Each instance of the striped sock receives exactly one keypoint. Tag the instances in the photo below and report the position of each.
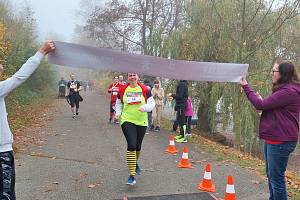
(131, 162)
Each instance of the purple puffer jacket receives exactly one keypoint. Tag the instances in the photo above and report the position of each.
(280, 117)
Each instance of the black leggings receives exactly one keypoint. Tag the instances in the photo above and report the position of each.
(180, 118)
(134, 135)
(111, 111)
(188, 120)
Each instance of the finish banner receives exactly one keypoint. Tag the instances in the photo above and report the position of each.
(103, 59)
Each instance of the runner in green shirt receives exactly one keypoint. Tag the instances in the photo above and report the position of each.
(133, 103)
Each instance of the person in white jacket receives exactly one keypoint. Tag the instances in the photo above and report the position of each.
(7, 167)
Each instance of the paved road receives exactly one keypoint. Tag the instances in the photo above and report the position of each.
(84, 159)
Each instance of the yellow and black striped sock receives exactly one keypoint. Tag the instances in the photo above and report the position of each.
(138, 154)
(131, 162)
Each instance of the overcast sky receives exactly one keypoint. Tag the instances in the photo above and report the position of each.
(53, 16)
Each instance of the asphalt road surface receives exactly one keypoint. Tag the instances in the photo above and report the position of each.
(84, 159)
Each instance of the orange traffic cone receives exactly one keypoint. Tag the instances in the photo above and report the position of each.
(230, 192)
(171, 148)
(206, 184)
(184, 162)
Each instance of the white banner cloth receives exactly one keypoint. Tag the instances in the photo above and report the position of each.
(102, 59)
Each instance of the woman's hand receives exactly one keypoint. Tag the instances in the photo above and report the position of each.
(169, 97)
(142, 109)
(243, 81)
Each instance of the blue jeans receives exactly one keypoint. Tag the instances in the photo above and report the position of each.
(277, 156)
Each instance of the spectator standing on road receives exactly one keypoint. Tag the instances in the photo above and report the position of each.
(7, 163)
(158, 95)
(279, 123)
(150, 118)
(121, 80)
(180, 98)
(61, 87)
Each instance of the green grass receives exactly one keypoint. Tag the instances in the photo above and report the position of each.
(220, 158)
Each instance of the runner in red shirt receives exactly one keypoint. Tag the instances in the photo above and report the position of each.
(114, 90)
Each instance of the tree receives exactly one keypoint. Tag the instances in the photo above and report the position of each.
(138, 22)
(17, 44)
(4, 45)
(235, 31)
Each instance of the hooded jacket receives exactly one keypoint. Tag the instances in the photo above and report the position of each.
(181, 95)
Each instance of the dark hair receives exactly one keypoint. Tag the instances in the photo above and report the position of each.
(288, 74)
(183, 82)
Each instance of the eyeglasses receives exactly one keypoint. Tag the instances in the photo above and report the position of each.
(131, 75)
(273, 71)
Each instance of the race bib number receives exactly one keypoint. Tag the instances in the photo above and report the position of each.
(134, 98)
(73, 85)
(115, 93)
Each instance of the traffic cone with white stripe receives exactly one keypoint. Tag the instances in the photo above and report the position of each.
(171, 148)
(184, 162)
(206, 183)
(230, 192)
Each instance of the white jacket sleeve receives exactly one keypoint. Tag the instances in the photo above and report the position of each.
(119, 107)
(21, 75)
(148, 107)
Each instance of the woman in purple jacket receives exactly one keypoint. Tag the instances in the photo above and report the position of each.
(279, 123)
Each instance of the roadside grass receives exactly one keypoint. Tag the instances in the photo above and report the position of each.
(28, 115)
